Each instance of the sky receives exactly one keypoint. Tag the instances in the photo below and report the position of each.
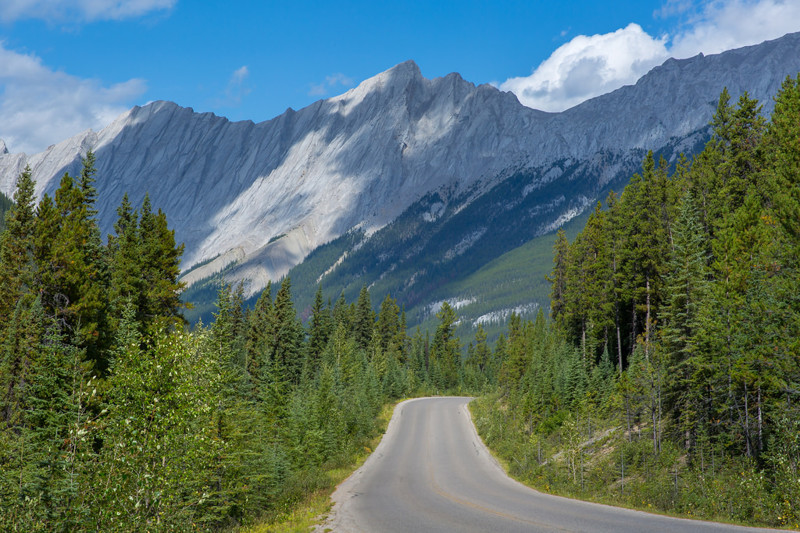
(70, 65)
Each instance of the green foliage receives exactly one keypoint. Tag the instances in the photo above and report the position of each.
(445, 356)
(17, 270)
(5, 205)
(692, 280)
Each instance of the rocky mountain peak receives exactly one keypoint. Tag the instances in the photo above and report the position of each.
(266, 195)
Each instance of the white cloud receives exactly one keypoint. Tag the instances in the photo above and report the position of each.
(331, 82)
(236, 89)
(720, 26)
(589, 66)
(79, 10)
(239, 75)
(40, 106)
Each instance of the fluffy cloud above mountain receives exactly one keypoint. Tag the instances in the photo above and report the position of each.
(589, 66)
(39, 104)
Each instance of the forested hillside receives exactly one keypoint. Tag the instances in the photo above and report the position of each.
(113, 417)
(669, 375)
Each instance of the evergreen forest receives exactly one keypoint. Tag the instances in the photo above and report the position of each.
(666, 377)
(115, 417)
(669, 375)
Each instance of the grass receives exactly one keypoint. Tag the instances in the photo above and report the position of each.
(729, 494)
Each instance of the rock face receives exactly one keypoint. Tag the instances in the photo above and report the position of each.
(265, 195)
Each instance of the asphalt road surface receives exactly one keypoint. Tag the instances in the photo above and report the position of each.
(431, 473)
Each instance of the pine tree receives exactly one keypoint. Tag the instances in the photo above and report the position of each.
(686, 285)
(260, 322)
(646, 246)
(364, 319)
(127, 283)
(615, 245)
(160, 267)
(22, 339)
(17, 267)
(576, 305)
(320, 329)
(558, 277)
(781, 145)
(388, 325)
(445, 350)
(58, 420)
(685, 282)
(598, 288)
(286, 344)
(78, 267)
(46, 228)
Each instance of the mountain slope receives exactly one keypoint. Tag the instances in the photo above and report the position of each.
(431, 178)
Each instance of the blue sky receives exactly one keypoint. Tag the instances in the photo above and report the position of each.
(69, 65)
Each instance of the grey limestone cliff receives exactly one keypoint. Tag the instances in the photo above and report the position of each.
(265, 195)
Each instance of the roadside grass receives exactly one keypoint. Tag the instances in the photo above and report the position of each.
(588, 467)
(313, 510)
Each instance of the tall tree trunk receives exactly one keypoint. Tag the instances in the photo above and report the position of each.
(748, 447)
(633, 327)
(760, 426)
(583, 341)
(619, 344)
(647, 325)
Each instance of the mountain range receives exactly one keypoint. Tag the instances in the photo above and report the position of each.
(416, 187)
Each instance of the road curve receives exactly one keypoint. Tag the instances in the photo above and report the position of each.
(432, 473)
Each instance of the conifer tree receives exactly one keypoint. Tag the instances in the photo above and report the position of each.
(320, 329)
(286, 344)
(445, 350)
(46, 228)
(260, 322)
(160, 268)
(614, 246)
(17, 267)
(78, 267)
(781, 146)
(124, 251)
(598, 288)
(686, 284)
(388, 325)
(364, 319)
(21, 343)
(558, 277)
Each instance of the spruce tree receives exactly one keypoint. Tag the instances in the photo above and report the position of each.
(127, 283)
(558, 277)
(160, 268)
(257, 344)
(364, 319)
(79, 269)
(781, 146)
(286, 344)
(388, 325)
(445, 351)
(17, 267)
(320, 329)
